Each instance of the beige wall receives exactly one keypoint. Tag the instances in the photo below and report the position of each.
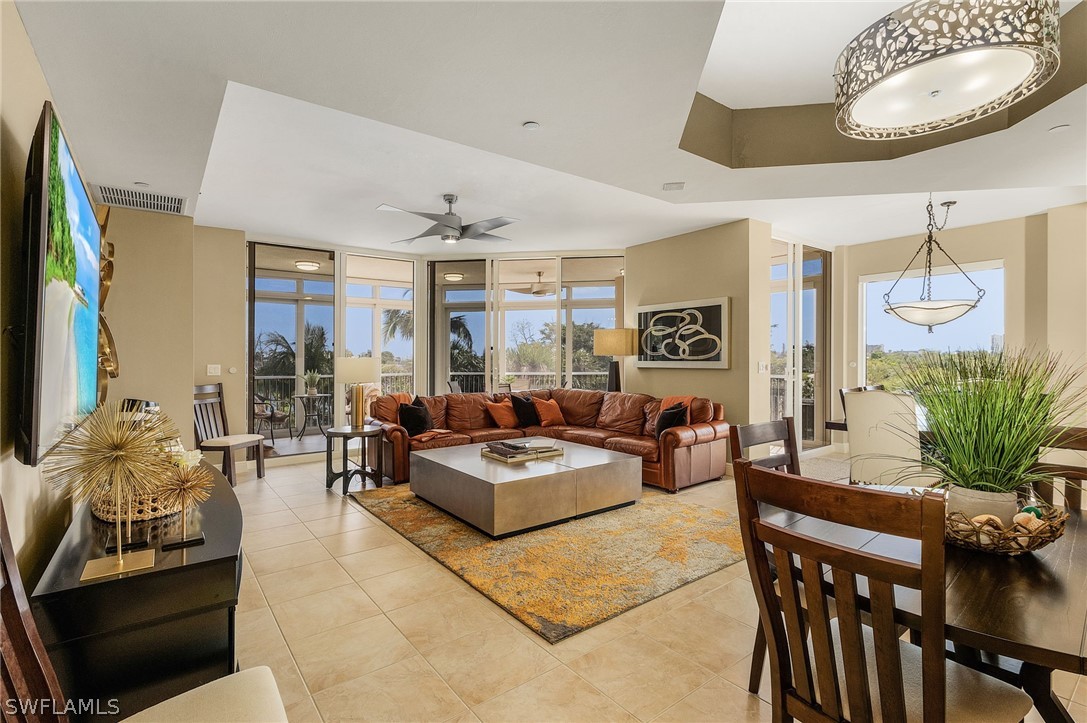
(1066, 295)
(730, 260)
(150, 311)
(35, 512)
(218, 293)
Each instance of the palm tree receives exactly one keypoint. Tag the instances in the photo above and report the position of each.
(400, 323)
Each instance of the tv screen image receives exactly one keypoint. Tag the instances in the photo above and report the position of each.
(64, 247)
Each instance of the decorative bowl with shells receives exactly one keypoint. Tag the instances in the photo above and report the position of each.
(1027, 533)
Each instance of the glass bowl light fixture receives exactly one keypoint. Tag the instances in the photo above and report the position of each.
(926, 311)
(936, 64)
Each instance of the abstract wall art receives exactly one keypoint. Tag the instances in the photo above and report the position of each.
(686, 335)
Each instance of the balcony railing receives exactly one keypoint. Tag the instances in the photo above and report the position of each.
(779, 384)
(281, 390)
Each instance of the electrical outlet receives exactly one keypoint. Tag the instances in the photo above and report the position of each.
(763, 367)
(214, 370)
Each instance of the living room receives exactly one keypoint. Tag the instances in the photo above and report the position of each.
(250, 166)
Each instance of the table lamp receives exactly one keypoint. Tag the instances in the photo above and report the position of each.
(359, 372)
(615, 343)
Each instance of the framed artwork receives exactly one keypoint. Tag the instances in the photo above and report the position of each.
(684, 335)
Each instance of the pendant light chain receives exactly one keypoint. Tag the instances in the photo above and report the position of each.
(927, 245)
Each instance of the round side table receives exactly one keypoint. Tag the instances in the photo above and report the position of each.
(364, 470)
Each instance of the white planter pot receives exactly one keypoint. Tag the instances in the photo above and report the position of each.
(979, 502)
(311, 391)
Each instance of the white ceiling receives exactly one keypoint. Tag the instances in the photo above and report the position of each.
(782, 52)
(296, 119)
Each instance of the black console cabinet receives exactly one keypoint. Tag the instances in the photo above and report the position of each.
(144, 636)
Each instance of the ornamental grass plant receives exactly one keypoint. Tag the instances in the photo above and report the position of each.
(989, 414)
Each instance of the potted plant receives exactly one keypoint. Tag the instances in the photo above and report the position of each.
(987, 416)
(311, 377)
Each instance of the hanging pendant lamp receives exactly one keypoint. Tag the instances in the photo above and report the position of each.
(936, 64)
(927, 311)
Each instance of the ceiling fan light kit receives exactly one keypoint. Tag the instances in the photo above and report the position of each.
(937, 64)
(449, 227)
(926, 311)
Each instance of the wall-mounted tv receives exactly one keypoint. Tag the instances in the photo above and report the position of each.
(62, 246)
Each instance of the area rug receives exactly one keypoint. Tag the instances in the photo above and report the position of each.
(563, 579)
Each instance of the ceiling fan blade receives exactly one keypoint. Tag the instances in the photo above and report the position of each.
(406, 241)
(445, 219)
(437, 229)
(486, 237)
(473, 230)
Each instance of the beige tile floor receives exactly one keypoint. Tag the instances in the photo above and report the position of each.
(358, 624)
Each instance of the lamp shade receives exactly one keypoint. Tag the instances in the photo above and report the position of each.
(357, 369)
(931, 312)
(615, 342)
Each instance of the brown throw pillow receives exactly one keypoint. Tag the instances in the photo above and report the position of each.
(502, 413)
(549, 412)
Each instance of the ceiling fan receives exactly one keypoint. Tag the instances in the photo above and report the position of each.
(448, 225)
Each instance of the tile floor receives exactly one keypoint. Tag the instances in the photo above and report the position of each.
(357, 623)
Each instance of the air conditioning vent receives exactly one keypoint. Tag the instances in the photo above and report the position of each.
(142, 200)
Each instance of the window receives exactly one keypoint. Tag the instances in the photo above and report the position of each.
(382, 323)
(888, 340)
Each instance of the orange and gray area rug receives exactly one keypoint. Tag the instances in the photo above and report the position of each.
(563, 579)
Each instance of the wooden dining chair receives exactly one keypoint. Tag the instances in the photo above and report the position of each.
(212, 433)
(27, 676)
(780, 433)
(844, 669)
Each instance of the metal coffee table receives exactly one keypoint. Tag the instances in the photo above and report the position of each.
(504, 499)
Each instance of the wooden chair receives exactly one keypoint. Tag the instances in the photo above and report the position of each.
(846, 390)
(742, 438)
(845, 670)
(27, 674)
(265, 412)
(454, 387)
(212, 433)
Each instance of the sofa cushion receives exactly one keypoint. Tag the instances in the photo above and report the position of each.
(554, 432)
(645, 447)
(674, 416)
(525, 409)
(623, 412)
(701, 411)
(436, 405)
(548, 412)
(492, 434)
(467, 411)
(415, 418)
(589, 435)
(442, 440)
(580, 407)
(385, 409)
(503, 414)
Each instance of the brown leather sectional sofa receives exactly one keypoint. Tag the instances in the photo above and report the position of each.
(620, 421)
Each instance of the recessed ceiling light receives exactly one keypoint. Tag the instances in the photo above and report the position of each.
(530, 125)
(307, 265)
(453, 276)
(1061, 128)
(141, 184)
(674, 186)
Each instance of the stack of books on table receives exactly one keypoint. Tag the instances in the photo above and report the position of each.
(513, 452)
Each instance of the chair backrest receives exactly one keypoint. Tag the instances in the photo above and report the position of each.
(846, 390)
(209, 417)
(883, 438)
(1074, 476)
(454, 387)
(27, 674)
(830, 678)
(505, 388)
(780, 433)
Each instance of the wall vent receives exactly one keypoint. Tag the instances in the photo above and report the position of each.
(142, 200)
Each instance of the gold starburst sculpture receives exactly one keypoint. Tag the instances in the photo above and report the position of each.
(120, 452)
(187, 486)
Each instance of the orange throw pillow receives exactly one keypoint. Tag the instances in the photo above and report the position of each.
(549, 412)
(502, 413)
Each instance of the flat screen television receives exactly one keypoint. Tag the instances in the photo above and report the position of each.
(62, 247)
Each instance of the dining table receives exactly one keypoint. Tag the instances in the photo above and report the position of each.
(1000, 610)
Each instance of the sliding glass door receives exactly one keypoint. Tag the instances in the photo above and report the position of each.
(799, 307)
